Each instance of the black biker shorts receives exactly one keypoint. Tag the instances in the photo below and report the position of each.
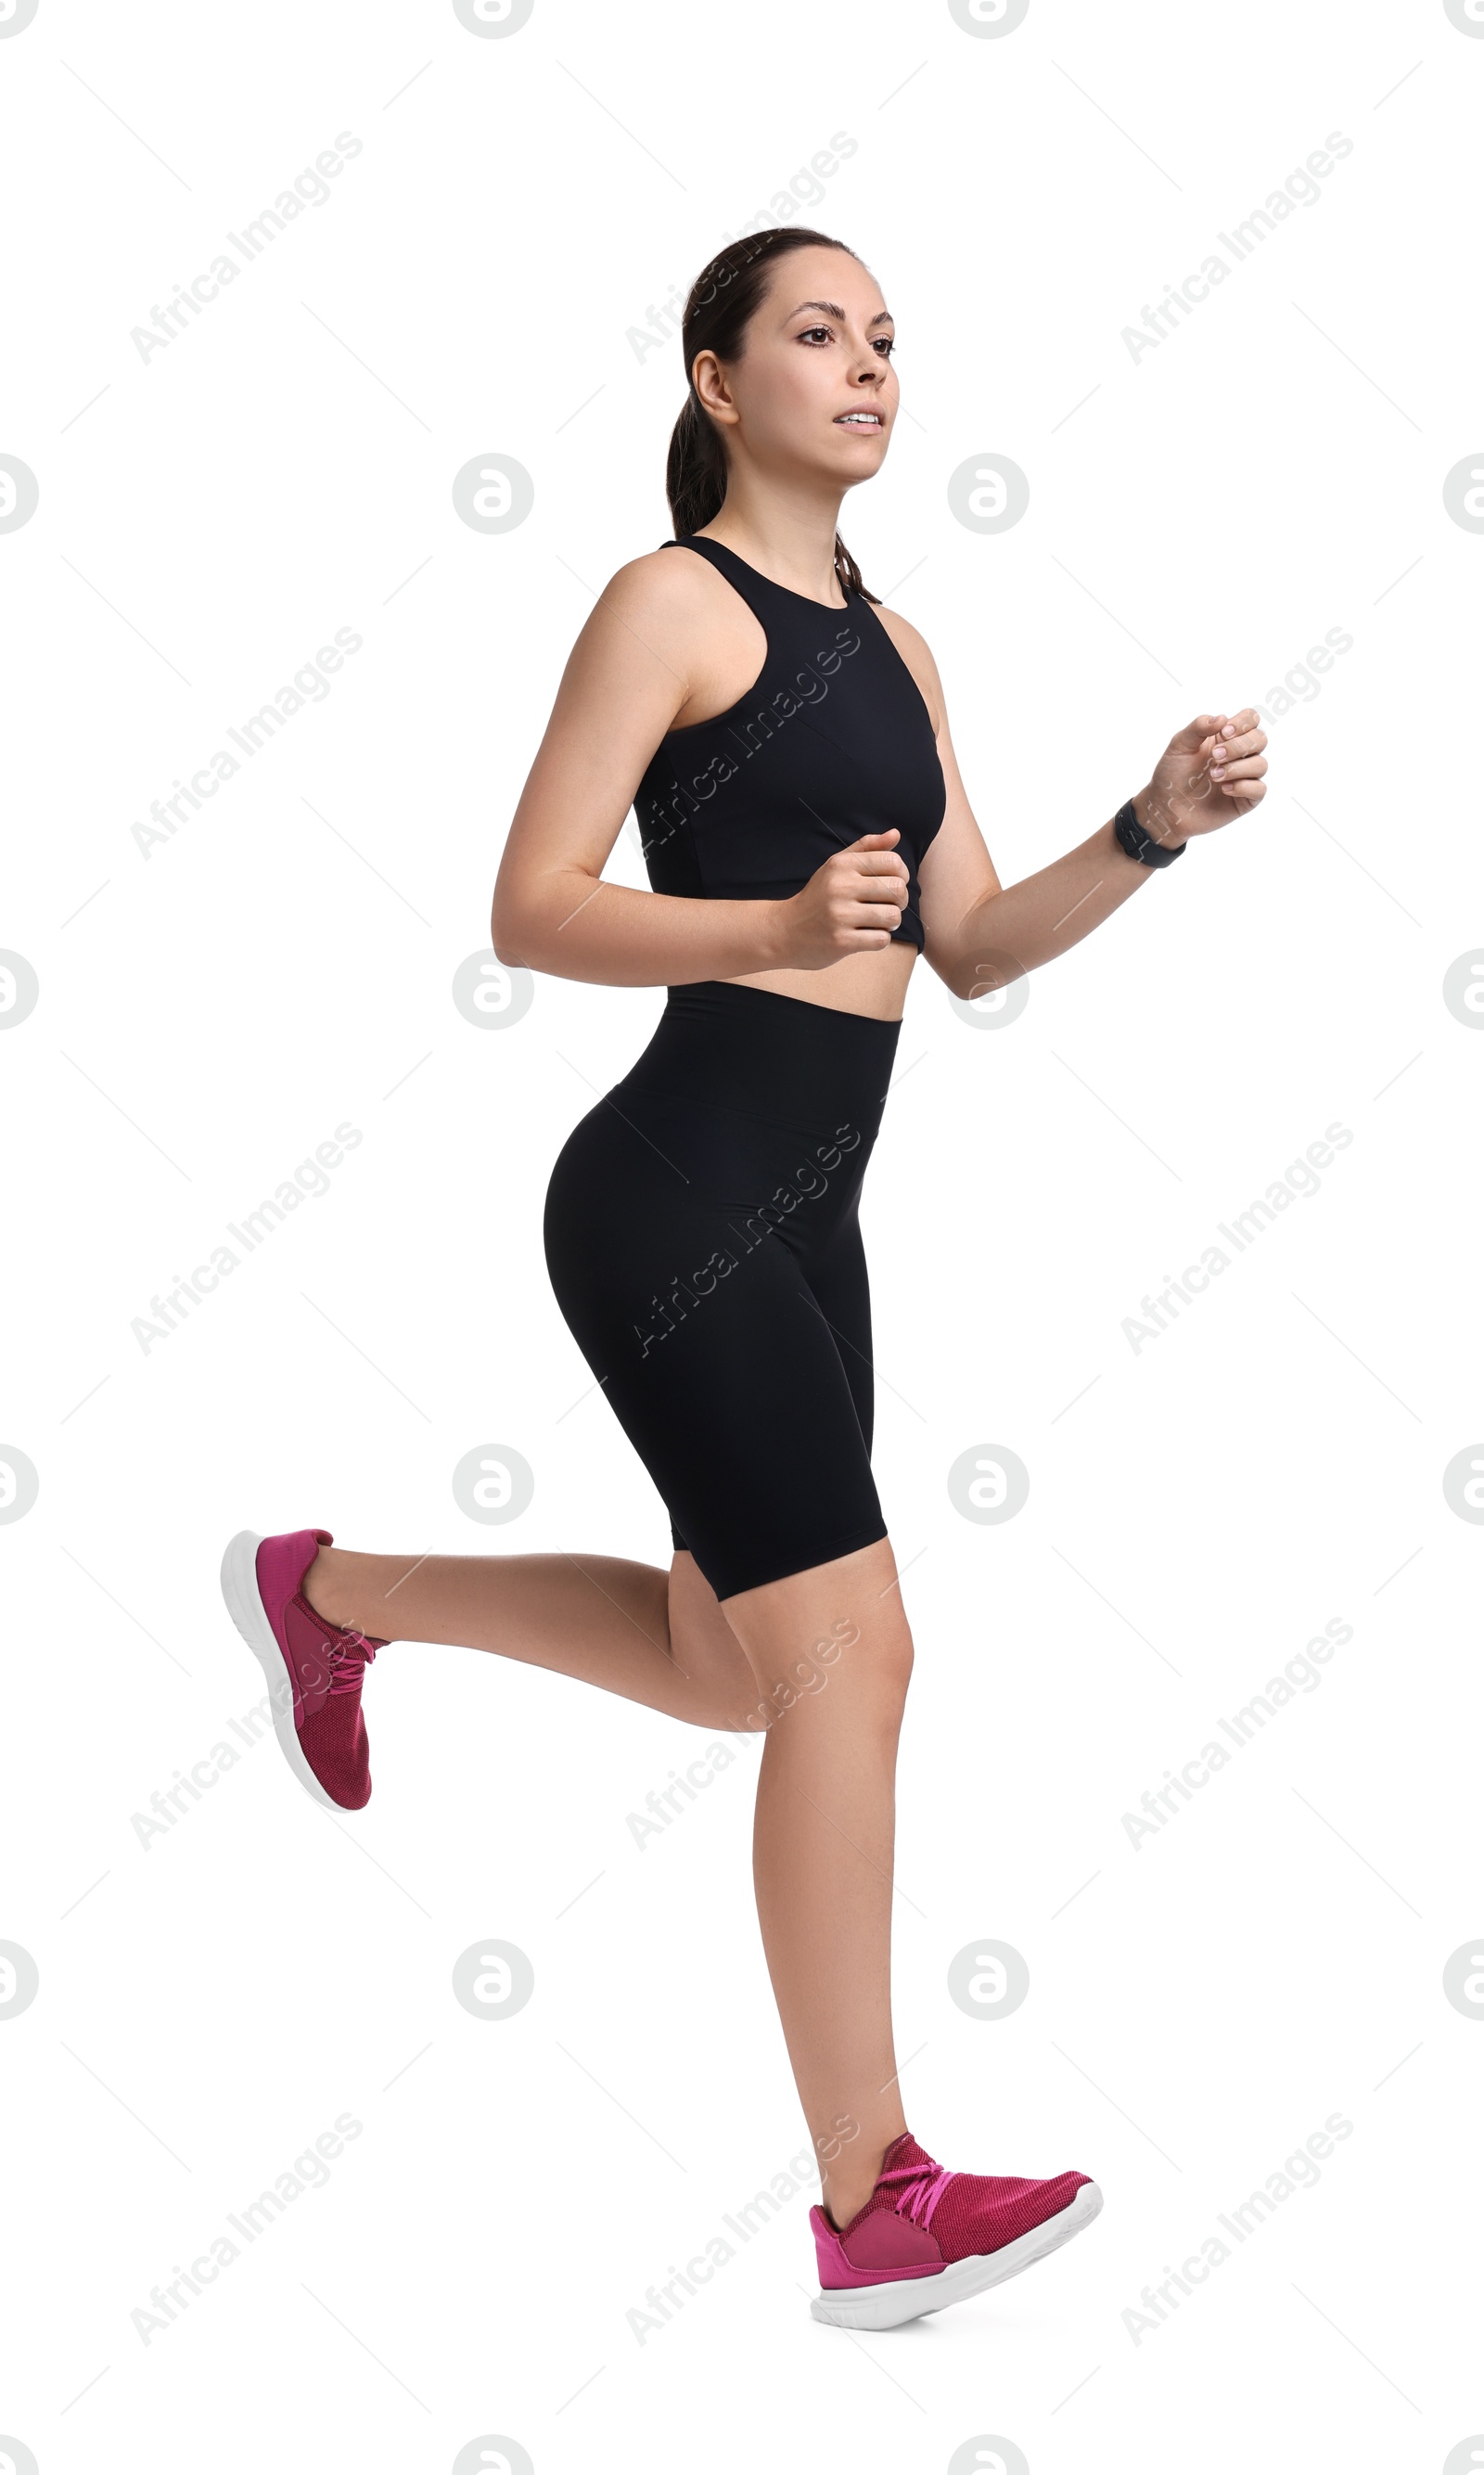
(703, 1239)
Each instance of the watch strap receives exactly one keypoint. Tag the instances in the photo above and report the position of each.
(1142, 845)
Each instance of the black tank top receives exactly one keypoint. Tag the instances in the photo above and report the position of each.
(832, 741)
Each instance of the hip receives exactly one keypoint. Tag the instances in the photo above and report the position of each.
(765, 1053)
(743, 1098)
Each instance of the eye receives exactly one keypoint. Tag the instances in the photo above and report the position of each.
(884, 345)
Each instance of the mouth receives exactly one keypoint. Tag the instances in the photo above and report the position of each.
(871, 422)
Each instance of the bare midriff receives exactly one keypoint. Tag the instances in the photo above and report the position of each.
(873, 984)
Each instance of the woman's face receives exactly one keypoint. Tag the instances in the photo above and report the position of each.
(814, 390)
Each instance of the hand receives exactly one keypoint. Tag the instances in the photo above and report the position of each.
(849, 906)
(1211, 771)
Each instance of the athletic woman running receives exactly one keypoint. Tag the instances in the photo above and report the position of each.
(783, 740)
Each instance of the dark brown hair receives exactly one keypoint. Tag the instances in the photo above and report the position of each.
(718, 310)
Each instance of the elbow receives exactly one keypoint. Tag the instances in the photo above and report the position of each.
(961, 978)
(987, 978)
(507, 937)
(511, 928)
(526, 921)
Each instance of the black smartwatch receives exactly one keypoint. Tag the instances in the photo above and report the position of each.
(1138, 843)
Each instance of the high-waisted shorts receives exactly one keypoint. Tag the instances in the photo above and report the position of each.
(702, 1240)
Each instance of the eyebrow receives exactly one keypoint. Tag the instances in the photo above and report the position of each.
(883, 317)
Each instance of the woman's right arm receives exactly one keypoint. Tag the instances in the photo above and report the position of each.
(554, 911)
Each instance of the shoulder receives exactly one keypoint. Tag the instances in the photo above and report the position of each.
(917, 654)
(667, 600)
(658, 629)
(666, 584)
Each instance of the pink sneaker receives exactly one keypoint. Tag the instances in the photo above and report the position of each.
(315, 1669)
(926, 2237)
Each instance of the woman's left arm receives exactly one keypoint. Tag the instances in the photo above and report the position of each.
(979, 933)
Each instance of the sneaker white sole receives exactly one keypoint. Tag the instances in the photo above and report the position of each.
(245, 1607)
(908, 2298)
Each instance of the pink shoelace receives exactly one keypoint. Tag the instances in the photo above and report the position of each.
(920, 2195)
(349, 1661)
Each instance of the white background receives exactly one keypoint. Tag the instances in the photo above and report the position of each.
(1197, 1510)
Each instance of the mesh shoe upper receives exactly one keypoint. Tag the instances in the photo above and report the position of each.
(965, 2214)
(327, 1663)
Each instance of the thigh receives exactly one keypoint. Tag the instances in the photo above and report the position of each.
(839, 1283)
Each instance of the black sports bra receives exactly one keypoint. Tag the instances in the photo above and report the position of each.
(832, 741)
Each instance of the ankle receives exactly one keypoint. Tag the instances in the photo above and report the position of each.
(848, 2188)
(329, 1587)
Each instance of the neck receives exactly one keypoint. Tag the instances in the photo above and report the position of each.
(787, 537)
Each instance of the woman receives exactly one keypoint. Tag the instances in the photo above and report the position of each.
(784, 739)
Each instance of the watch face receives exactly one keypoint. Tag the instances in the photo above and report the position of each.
(1130, 833)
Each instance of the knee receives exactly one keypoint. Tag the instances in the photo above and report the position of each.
(891, 1666)
(878, 1666)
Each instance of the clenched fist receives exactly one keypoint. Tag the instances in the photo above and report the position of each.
(850, 905)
